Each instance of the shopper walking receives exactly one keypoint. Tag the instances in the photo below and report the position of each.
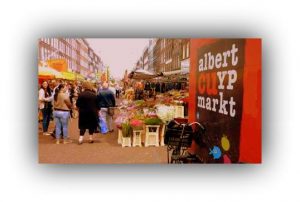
(106, 102)
(52, 85)
(113, 89)
(45, 105)
(73, 98)
(118, 91)
(62, 107)
(88, 112)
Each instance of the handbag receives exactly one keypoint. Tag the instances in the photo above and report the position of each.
(111, 111)
(40, 115)
(102, 125)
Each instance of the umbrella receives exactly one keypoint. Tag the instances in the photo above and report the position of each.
(142, 74)
(45, 71)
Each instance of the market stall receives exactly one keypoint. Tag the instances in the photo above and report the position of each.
(141, 74)
(46, 73)
(149, 103)
(70, 76)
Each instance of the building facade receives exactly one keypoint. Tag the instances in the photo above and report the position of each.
(151, 55)
(185, 55)
(145, 58)
(171, 56)
(157, 56)
(76, 52)
(139, 64)
(95, 65)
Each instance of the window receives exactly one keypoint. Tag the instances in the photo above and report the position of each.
(42, 53)
(188, 50)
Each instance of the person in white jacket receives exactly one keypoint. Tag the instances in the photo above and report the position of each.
(45, 105)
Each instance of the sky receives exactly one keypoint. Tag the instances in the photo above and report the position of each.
(119, 54)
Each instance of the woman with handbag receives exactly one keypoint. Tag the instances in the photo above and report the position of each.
(45, 106)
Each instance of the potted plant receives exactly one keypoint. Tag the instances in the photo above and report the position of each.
(136, 124)
(152, 131)
(153, 121)
(126, 129)
(126, 133)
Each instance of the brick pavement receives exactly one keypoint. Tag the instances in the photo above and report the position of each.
(104, 150)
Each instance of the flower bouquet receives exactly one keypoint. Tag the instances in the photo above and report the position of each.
(145, 111)
(139, 114)
(126, 129)
(165, 113)
(139, 103)
(150, 103)
(122, 118)
(129, 95)
(167, 100)
(151, 114)
(136, 124)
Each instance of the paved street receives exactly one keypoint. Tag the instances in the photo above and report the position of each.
(105, 150)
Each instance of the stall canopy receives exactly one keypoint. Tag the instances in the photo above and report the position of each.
(69, 76)
(176, 72)
(142, 74)
(79, 77)
(45, 71)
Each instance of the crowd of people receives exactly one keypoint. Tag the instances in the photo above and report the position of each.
(59, 100)
(147, 89)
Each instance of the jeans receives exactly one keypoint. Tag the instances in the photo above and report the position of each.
(104, 114)
(46, 118)
(61, 121)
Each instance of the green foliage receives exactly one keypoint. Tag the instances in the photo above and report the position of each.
(139, 103)
(153, 121)
(126, 129)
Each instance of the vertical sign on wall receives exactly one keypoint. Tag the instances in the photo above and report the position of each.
(219, 96)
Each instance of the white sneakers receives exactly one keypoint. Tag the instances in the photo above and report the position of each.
(45, 133)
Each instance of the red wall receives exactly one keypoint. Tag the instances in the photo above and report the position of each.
(251, 139)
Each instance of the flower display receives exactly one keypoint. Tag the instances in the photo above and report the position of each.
(165, 113)
(152, 114)
(122, 118)
(139, 103)
(153, 121)
(136, 124)
(126, 129)
(161, 110)
(139, 114)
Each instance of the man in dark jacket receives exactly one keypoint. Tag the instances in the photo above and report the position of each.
(106, 100)
(88, 112)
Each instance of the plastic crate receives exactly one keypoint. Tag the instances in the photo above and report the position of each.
(175, 136)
